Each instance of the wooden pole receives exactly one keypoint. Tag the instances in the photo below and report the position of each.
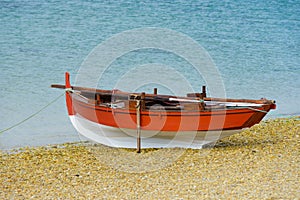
(138, 126)
(143, 95)
(155, 91)
(203, 91)
(139, 107)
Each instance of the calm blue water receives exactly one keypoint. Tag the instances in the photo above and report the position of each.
(254, 44)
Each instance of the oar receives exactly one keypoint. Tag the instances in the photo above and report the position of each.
(186, 100)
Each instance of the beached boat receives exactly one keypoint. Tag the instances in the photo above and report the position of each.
(131, 120)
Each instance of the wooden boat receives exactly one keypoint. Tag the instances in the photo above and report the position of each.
(129, 120)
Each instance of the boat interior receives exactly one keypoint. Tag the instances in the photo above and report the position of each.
(155, 101)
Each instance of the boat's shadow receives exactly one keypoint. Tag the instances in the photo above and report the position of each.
(246, 140)
(240, 143)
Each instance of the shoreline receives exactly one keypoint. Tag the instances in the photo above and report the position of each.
(261, 162)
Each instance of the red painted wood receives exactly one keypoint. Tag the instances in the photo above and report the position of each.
(165, 120)
(171, 120)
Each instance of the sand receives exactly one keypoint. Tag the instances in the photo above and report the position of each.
(260, 163)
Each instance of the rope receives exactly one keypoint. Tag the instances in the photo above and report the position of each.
(31, 116)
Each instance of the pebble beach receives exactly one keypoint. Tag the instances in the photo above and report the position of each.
(260, 163)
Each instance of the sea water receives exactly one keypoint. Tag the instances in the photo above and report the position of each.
(254, 44)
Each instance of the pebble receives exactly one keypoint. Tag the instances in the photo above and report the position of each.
(260, 163)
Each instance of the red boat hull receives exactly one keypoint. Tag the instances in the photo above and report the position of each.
(167, 120)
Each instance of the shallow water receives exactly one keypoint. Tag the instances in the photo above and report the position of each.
(255, 46)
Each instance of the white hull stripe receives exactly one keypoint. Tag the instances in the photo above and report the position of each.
(126, 138)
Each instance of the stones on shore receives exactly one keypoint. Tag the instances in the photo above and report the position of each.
(259, 163)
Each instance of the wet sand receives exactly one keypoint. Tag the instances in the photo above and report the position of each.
(260, 163)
